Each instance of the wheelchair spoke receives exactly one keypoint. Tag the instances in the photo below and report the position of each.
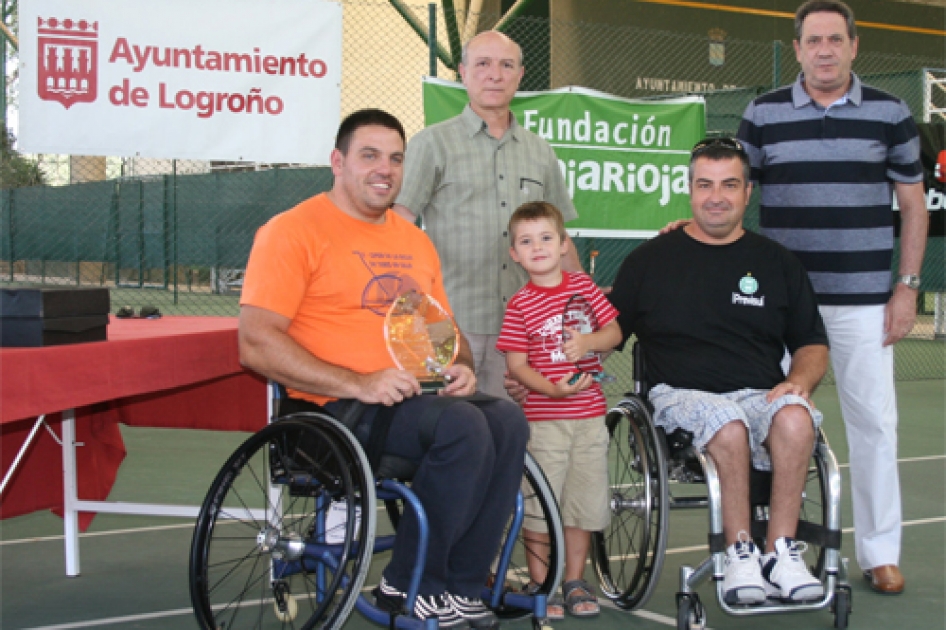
(628, 554)
(814, 513)
(229, 567)
(537, 558)
(258, 558)
(252, 580)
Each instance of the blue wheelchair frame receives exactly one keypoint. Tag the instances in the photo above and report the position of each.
(330, 571)
(493, 596)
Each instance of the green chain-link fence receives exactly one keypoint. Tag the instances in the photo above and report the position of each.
(176, 234)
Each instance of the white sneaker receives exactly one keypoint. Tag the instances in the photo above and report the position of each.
(786, 576)
(742, 579)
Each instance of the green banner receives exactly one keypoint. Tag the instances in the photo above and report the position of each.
(624, 161)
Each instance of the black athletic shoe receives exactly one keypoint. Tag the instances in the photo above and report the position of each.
(390, 599)
(427, 606)
(474, 611)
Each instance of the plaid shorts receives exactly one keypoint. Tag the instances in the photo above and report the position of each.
(703, 414)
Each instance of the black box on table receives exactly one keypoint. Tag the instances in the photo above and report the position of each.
(45, 316)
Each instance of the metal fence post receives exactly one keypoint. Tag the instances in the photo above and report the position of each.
(166, 230)
(11, 206)
(432, 37)
(174, 224)
(116, 230)
(75, 248)
(141, 233)
(3, 74)
(111, 242)
(776, 64)
(453, 33)
(939, 321)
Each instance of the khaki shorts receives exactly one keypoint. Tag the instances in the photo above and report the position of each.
(573, 454)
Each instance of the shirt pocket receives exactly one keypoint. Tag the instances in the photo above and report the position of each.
(530, 185)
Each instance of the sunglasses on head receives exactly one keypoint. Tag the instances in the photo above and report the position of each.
(709, 143)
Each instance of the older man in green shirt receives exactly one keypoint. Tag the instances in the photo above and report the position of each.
(465, 177)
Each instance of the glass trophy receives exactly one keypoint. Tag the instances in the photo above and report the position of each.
(422, 338)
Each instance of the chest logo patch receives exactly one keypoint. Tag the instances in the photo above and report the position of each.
(748, 284)
(748, 287)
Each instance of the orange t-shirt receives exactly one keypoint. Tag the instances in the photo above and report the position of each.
(335, 277)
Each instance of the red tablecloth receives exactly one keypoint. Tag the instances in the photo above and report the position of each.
(175, 372)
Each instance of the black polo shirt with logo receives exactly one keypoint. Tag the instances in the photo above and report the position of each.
(717, 318)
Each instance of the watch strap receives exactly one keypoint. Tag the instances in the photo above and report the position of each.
(911, 280)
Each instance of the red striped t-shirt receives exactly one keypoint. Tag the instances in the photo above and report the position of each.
(533, 325)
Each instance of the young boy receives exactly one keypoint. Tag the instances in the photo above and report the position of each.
(565, 405)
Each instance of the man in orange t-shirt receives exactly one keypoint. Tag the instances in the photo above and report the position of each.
(319, 281)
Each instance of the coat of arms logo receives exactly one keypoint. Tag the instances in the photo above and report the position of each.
(717, 46)
(68, 61)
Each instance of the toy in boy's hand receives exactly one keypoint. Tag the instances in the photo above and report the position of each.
(579, 316)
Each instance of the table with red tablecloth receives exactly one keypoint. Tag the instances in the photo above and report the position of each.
(172, 372)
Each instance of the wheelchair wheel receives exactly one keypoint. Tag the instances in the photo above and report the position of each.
(690, 612)
(814, 511)
(273, 546)
(628, 556)
(841, 607)
(550, 556)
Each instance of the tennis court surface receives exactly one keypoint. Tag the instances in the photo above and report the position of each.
(134, 569)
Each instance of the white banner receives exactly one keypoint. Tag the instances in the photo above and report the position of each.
(205, 79)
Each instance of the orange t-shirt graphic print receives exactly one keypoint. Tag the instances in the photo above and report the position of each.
(335, 277)
(384, 288)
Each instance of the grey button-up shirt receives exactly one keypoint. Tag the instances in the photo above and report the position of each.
(466, 184)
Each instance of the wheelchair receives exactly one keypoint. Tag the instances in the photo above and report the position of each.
(649, 472)
(285, 536)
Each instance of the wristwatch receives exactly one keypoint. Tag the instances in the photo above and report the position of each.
(911, 280)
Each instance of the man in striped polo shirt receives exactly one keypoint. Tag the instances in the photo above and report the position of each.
(827, 152)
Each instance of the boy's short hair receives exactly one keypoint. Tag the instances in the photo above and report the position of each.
(534, 210)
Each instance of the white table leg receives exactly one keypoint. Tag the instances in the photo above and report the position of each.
(21, 453)
(70, 493)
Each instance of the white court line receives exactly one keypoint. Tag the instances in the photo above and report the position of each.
(155, 615)
(111, 621)
(844, 530)
(665, 620)
(134, 530)
(155, 528)
(645, 614)
(907, 460)
(904, 460)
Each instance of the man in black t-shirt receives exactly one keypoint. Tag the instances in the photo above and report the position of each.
(715, 307)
